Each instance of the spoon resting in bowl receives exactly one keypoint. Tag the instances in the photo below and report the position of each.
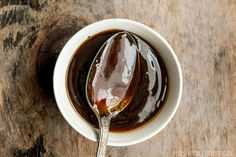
(111, 81)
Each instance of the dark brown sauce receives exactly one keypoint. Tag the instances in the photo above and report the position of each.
(148, 96)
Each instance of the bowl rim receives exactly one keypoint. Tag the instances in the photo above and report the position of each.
(60, 76)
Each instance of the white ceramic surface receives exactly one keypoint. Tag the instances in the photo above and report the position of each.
(174, 78)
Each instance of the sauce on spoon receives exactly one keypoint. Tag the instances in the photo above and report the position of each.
(113, 75)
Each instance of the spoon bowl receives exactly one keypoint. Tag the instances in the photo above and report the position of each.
(118, 90)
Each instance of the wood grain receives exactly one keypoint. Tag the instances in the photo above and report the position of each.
(202, 33)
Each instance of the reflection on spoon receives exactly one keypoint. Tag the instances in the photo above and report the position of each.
(111, 81)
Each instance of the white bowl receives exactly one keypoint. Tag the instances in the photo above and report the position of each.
(174, 77)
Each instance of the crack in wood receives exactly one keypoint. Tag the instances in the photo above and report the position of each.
(32, 36)
(34, 4)
(14, 39)
(16, 15)
(218, 60)
(8, 42)
(37, 150)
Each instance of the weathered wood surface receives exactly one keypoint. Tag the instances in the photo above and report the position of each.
(202, 33)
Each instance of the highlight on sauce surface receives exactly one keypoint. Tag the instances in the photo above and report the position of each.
(145, 89)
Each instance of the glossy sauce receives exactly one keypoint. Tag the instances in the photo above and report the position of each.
(147, 97)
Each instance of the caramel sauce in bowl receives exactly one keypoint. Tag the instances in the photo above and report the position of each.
(133, 132)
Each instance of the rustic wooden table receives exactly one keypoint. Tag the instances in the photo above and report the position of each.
(202, 33)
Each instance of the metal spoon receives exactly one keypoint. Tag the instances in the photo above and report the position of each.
(111, 81)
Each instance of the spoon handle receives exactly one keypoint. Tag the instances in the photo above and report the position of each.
(104, 123)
